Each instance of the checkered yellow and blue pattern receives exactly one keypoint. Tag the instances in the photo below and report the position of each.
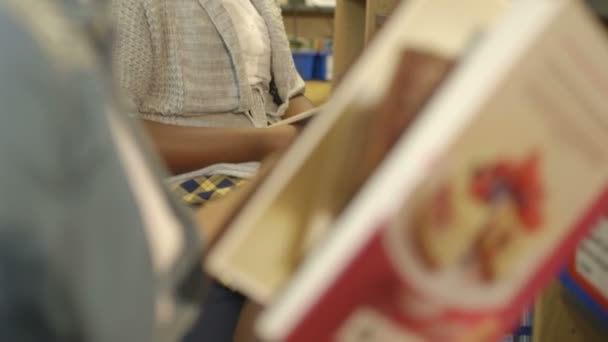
(202, 189)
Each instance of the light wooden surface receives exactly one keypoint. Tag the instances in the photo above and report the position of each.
(309, 26)
(349, 35)
(557, 320)
(375, 12)
(318, 91)
(355, 24)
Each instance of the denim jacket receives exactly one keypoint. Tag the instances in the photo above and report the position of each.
(75, 261)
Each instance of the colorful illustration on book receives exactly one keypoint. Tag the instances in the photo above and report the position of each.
(481, 219)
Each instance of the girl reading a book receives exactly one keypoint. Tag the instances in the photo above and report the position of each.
(208, 77)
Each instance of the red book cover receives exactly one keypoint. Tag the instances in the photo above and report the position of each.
(476, 207)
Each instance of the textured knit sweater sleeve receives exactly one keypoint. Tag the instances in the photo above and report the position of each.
(133, 61)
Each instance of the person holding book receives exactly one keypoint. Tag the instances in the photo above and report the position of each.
(209, 77)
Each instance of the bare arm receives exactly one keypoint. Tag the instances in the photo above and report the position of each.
(297, 105)
(213, 216)
(189, 148)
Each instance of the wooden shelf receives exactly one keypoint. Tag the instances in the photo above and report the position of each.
(376, 13)
(307, 10)
(355, 24)
(556, 319)
(318, 91)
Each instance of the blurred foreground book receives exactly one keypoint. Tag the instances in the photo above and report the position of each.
(444, 183)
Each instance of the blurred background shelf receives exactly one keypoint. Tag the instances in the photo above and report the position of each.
(352, 24)
(318, 91)
(355, 24)
(307, 10)
(558, 319)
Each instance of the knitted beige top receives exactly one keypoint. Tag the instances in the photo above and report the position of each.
(180, 62)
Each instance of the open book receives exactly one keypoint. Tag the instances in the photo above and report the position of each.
(299, 119)
(340, 149)
(454, 167)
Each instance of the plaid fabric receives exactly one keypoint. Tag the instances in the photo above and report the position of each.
(200, 190)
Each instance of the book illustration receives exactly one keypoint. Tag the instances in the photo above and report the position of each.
(481, 218)
(514, 194)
